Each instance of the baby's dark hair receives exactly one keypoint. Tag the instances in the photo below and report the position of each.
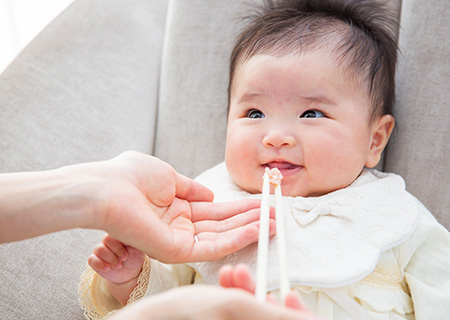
(359, 33)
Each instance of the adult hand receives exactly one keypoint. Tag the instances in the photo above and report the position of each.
(153, 208)
(203, 302)
(138, 199)
(239, 277)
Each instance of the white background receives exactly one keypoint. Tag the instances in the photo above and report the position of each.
(21, 21)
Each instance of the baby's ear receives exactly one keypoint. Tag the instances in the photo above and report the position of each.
(381, 131)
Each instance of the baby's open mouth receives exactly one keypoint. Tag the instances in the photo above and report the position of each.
(286, 168)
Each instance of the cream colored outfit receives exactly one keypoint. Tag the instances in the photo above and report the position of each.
(369, 251)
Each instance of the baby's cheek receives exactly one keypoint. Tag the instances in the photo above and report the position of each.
(245, 176)
(327, 165)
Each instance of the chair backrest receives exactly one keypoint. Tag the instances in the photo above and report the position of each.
(86, 88)
(420, 147)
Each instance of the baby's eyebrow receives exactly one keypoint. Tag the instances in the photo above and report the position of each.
(317, 99)
(251, 96)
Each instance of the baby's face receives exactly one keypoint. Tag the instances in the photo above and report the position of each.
(301, 114)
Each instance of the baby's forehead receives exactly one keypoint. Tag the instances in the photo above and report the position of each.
(338, 68)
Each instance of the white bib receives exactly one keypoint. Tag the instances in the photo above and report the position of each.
(333, 240)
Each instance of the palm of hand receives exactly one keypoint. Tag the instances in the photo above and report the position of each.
(221, 228)
(177, 229)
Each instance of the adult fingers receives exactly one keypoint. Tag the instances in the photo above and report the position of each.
(213, 233)
(159, 180)
(226, 276)
(253, 309)
(221, 210)
(293, 301)
(236, 277)
(222, 303)
(213, 246)
(191, 190)
(243, 278)
(227, 224)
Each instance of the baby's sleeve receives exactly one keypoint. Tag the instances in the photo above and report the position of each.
(94, 296)
(99, 303)
(163, 276)
(427, 271)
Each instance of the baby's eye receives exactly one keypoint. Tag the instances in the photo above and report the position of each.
(312, 114)
(255, 114)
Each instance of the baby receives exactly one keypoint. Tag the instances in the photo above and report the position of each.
(311, 93)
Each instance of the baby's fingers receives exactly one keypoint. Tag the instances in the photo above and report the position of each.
(98, 264)
(116, 247)
(108, 257)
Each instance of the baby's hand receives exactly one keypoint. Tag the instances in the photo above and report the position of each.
(116, 262)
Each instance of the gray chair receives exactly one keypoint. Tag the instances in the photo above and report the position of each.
(151, 76)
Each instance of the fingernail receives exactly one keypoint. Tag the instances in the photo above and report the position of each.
(118, 266)
(124, 257)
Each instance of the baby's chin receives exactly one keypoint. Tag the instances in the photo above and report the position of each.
(287, 189)
(292, 192)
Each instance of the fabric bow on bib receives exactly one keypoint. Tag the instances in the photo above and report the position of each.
(307, 210)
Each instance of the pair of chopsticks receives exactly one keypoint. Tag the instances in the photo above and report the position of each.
(274, 177)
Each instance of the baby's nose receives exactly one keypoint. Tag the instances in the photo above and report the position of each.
(279, 138)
